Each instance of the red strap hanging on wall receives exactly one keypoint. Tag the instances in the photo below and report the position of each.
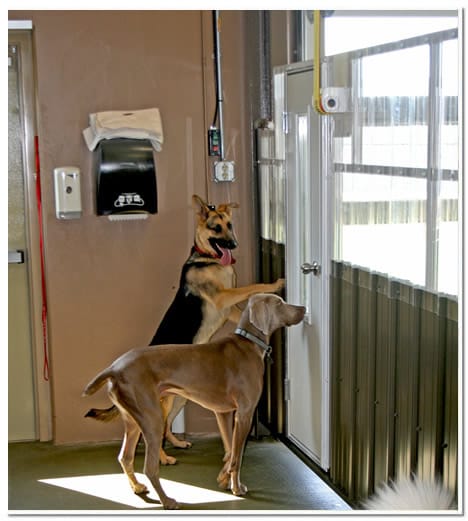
(41, 247)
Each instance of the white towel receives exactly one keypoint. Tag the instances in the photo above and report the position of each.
(135, 124)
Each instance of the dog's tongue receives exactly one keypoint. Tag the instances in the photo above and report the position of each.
(226, 257)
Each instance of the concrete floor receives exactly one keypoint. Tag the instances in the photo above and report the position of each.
(88, 478)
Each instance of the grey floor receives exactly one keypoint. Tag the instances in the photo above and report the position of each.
(88, 478)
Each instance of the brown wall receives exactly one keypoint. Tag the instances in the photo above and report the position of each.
(109, 283)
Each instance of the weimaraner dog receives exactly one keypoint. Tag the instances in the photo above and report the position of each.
(223, 376)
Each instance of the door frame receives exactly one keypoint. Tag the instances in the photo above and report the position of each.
(20, 33)
(326, 231)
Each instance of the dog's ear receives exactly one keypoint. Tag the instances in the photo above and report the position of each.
(259, 316)
(226, 207)
(200, 206)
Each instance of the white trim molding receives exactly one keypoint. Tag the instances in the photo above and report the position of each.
(20, 24)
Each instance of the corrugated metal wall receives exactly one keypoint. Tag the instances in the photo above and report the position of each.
(271, 406)
(394, 389)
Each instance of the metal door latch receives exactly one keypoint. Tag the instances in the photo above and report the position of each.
(16, 257)
(314, 268)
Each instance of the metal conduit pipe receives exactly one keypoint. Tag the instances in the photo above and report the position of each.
(219, 81)
(265, 66)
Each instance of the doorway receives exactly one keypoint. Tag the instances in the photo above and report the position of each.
(28, 391)
(307, 261)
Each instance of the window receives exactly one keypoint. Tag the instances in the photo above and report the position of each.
(448, 163)
(396, 162)
(364, 29)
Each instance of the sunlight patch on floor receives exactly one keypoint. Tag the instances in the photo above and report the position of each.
(115, 487)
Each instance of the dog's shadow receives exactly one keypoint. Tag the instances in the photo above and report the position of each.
(152, 501)
(147, 499)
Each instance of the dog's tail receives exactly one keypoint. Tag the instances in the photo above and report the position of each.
(103, 415)
(98, 381)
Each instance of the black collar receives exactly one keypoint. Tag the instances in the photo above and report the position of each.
(255, 339)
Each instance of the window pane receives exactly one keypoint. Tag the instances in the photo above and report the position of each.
(448, 261)
(383, 222)
(394, 108)
(394, 214)
(395, 146)
(304, 206)
(366, 31)
(448, 257)
(448, 238)
(449, 130)
(398, 73)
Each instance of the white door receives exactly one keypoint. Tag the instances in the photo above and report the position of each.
(306, 272)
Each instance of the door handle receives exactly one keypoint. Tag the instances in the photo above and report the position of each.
(16, 257)
(313, 268)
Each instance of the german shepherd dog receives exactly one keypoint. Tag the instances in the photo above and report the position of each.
(205, 299)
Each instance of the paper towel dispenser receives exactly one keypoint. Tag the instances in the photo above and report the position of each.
(126, 177)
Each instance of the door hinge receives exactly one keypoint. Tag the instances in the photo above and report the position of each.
(285, 122)
(287, 389)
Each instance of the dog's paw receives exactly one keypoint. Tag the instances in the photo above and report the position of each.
(182, 444)
(241, 490)
(170, 504)
(139, 488)
(223, 480)
(279, 284)
(167, 460)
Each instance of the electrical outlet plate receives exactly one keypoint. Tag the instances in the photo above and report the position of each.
(224, 171)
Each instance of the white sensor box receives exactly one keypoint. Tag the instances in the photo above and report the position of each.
(67, 192)
(336, 99)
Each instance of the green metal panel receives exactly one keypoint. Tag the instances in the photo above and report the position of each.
(365, 384)
(264, 405)
(271, 406)
(394, 395)
(406, 378)
(265, 260)
(347, 380)
(431, 391)
(335, 314)
(450, 442)
(386, 330)
(278, 341)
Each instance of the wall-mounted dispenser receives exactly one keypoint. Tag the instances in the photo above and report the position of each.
(126, 179)
(67, 192)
